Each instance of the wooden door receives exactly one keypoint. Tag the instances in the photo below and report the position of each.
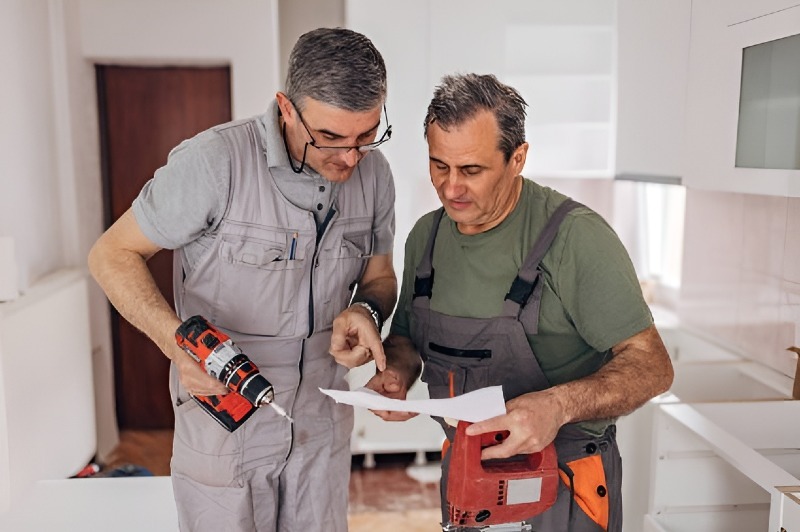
(144, 113)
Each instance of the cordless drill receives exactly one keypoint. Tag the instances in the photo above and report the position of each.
(222, 359)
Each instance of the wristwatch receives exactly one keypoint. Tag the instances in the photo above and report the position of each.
(372, 312)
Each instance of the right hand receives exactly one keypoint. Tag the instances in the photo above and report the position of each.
(390, 383)
(194, 379)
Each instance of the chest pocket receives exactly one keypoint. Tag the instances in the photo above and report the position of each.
(448, 375)
(342, 262)
(258, 284)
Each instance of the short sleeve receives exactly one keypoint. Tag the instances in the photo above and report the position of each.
(597, 284)
(186, 197)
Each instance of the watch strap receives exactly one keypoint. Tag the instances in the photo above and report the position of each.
(372, 312)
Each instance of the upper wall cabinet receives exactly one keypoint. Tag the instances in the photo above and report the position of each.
(559, 55)
(743, 99)
(653, 64)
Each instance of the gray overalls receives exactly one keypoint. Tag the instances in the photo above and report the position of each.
(269, 474)
(464, 354)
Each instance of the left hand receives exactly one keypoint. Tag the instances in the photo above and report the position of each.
(355, 339)
(390, 383)
(533, 421)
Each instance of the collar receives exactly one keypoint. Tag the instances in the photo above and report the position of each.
(269, 126)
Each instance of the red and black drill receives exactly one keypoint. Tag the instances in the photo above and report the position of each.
(222, 359)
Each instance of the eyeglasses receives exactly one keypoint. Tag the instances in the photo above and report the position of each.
(363, 148)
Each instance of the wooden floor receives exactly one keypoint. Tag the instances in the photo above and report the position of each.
(383, 498)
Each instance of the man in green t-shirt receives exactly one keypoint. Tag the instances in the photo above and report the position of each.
(514, 284)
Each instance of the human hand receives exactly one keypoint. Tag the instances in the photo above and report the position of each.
(356, 340)
(532, 420)
(390, 383)
(195, 380)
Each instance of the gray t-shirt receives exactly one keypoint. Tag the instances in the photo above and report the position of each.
(182, 205)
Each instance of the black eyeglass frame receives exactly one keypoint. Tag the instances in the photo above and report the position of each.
(366, 148)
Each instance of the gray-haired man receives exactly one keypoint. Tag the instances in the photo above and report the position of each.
(291, 217)
(532, 291)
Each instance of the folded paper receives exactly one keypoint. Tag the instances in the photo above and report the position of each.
(473, 406)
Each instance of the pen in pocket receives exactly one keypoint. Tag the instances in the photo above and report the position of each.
(293, 246)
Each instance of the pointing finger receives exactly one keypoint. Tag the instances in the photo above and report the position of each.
(493, 424)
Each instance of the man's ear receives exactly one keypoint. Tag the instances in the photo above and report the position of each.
(518, 157)
(285, 106)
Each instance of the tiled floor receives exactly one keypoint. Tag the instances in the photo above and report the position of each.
(384, 498)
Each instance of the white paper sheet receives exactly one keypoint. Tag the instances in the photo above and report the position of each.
(473, 407)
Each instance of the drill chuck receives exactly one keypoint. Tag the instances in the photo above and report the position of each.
(233, 369)
(257, 390)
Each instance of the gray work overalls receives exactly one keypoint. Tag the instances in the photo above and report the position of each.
(465, 354)
(269, 474)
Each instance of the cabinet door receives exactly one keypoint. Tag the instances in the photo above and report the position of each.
(559, 55)
(721, 30)
(653, 61)
(790, 511)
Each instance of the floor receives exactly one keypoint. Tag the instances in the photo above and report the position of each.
(394, 495)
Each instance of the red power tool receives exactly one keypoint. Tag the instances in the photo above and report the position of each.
(497, 495)
(220, 358)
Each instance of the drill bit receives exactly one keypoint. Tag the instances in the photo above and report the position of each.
(281, 411)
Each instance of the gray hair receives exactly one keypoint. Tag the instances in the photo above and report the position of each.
(460, 97)
(338, 67)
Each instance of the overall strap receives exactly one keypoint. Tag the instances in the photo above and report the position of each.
(527, 280)
(423, 281)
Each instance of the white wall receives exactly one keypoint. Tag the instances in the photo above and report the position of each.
(295, 17)
(29, 204)
(49, 146)
(240, 33)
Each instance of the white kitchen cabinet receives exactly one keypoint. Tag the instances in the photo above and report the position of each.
(789, 514)
(653, 64)
(720, 31)
(47, 408)
(718, 466)
(704, 372)
(559, 55)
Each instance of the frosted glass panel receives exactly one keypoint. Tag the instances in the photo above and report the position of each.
(769, 107)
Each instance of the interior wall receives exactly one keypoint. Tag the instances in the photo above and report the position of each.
(295, 17)
(741, 273)
(30, 210)
(148, 32)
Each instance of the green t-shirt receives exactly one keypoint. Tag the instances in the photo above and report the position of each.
(591, 298)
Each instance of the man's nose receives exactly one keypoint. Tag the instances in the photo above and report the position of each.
(352, 156)
(452, 186)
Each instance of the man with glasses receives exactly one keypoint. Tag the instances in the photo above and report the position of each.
(283, 228)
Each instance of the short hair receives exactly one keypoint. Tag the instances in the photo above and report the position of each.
(338, 67)
(460, 97)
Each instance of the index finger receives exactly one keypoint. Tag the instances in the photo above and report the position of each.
(376, 348)
(496, 423)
